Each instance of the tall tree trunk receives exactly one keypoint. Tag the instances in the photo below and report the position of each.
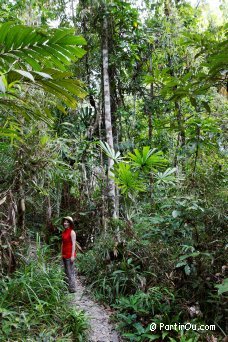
(178, 112)
(151, 105)
(103, 203)
(107, 114)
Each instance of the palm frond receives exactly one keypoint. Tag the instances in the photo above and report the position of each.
(33, 59)
(148, 159)
(29, 48)
(110, 152)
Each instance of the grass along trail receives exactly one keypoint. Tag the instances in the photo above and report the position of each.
(101, 330)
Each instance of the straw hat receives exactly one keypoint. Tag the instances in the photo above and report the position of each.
(69, 218)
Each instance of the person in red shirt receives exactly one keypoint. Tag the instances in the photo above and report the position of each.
(68, 252)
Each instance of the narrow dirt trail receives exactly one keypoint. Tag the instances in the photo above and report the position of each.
(101, 330)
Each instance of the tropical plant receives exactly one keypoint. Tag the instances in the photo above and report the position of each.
(136, 312)
(35, 61)
(166, 177)
(147, 160)
(128, 180)
(110, 152)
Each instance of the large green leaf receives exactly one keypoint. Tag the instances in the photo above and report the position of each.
(55, 47)
(38, 59)
(127, 179)
(147, 159)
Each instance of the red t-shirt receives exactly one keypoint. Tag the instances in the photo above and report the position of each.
(67, 243)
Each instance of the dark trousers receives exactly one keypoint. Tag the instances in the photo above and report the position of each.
(70, 274)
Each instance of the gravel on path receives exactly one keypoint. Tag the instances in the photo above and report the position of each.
(101, 330)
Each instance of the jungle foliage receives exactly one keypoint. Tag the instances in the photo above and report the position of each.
(147, 188)
(34, 305)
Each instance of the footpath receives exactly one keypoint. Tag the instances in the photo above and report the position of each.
(101, 330)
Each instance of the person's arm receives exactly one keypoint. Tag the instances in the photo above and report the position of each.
(73, 239)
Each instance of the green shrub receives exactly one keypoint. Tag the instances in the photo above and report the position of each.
(137, 311)
(110, 271)
(33, 304)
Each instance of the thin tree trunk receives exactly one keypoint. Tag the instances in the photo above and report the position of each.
(21, 194)
(85, 180)
(59, 191)
(49, 209)
(103, 205)
(107, 112)
(150, 107)
(150, 110)
(197, 150)
(49, 226)
(178, 113)
(180, 123)
(11, 218)
(21, 208)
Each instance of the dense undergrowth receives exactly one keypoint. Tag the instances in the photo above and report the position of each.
(161, 125)
(145, 284)
(166, 265)
(33, 304)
